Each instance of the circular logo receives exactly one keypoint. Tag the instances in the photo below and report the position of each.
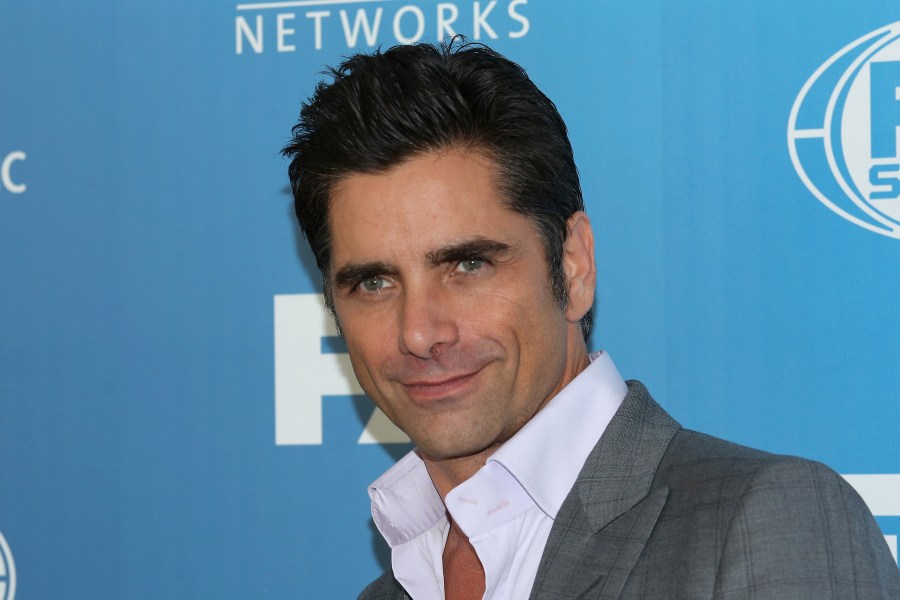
(7, 572)
(842, 132)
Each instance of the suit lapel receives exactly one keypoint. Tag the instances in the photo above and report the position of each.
(608, 516)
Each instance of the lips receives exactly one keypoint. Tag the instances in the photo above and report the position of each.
(433, 390)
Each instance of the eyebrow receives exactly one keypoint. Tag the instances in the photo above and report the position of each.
(476, 247)
(352, 273)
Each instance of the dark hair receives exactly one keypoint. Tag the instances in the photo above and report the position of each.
(382, 109)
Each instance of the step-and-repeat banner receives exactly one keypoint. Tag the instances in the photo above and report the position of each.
(177, 417)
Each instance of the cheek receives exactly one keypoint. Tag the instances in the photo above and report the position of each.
(366, 361)
(525, 309)
(366, 346)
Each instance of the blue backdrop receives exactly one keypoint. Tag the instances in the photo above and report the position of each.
(159, 437)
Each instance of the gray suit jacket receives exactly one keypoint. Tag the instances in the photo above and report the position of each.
(659, 512)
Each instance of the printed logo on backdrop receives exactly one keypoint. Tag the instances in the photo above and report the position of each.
(7, 571)
(312, 367)
(842, 132)
(9, 181)
(881, 494)
(309, 25)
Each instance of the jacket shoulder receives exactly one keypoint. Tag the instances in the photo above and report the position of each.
(783, 526)
(384, 588)
(696, 459)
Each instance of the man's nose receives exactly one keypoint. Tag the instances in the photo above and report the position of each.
(427, 322)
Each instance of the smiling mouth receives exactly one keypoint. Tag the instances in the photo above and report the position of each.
(430, 391)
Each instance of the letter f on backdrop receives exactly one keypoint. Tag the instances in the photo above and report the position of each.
(304, 373)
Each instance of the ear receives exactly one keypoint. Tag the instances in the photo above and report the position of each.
(579, 266)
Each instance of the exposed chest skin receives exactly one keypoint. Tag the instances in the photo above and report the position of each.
(463, 572)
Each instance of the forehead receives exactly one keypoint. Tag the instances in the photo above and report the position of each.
(425, 202)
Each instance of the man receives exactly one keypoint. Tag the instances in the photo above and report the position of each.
(439, 195)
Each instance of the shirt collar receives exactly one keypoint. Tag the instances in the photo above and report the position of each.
(566, 430)
(405, 503)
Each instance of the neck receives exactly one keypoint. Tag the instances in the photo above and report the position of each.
(447, 473)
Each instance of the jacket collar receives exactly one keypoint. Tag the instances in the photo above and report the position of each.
(607, 518)
(620, 469)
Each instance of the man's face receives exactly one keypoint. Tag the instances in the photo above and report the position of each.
(444, 300)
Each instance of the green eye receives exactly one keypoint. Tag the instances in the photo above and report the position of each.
(471, 265)
(373, 284)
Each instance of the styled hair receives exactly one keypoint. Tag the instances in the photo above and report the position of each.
(382, 109)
